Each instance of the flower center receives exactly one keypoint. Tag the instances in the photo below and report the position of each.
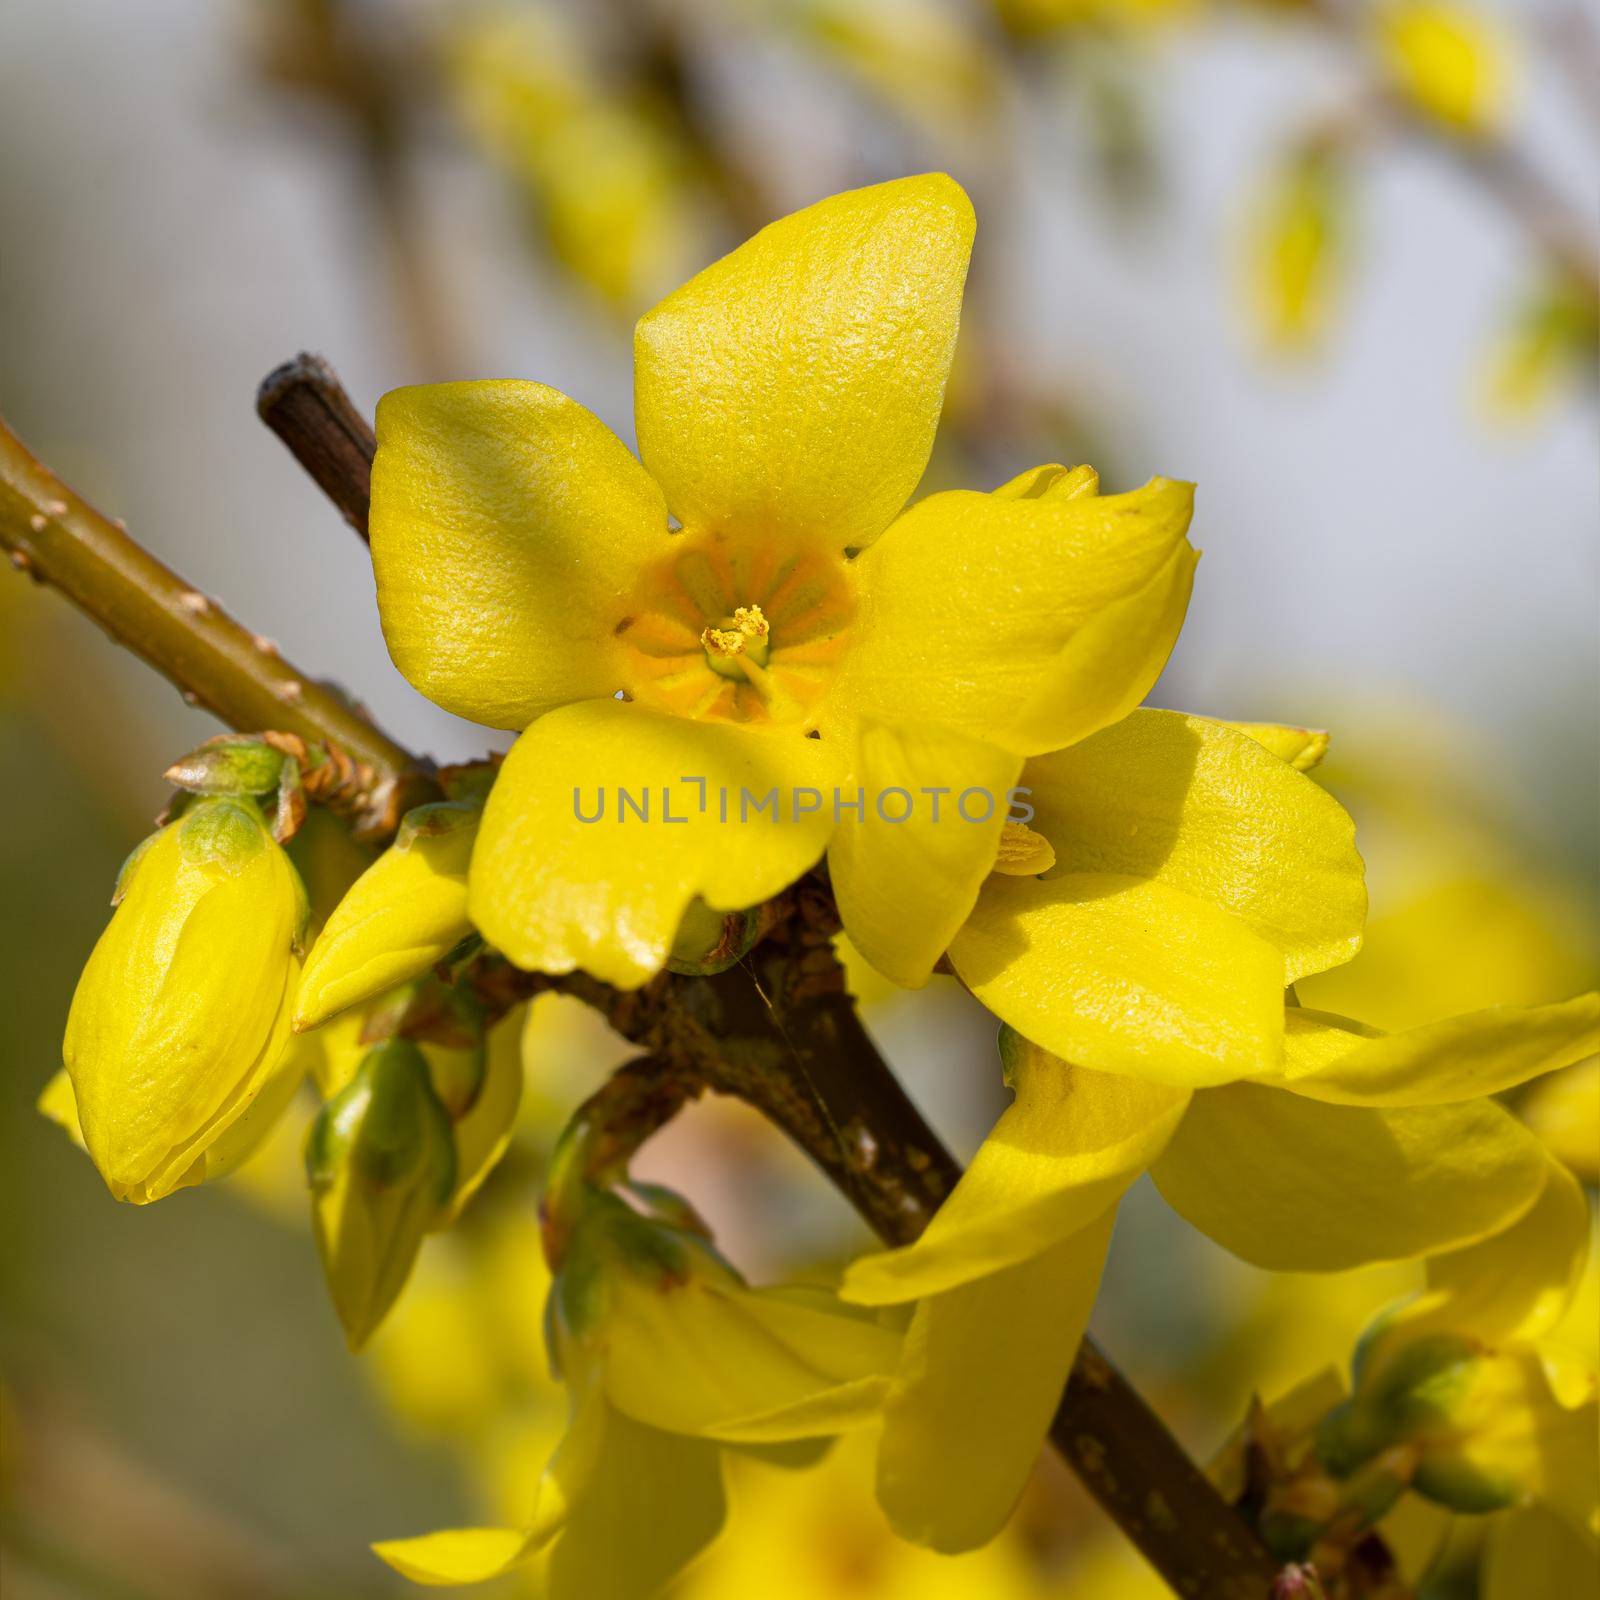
(737, 629)
(741, 641)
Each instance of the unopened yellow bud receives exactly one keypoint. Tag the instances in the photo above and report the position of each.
(181, 1017)
(406, 912)
(381, 1163)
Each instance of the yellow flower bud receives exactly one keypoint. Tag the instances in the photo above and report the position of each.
(407, 911)
(181, 1016)
(233, 1147)
(381, 1163)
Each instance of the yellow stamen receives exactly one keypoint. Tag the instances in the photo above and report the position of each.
(722, 642)
(750, 622)
(1023, 853)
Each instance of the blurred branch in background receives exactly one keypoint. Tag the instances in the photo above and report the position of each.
(338, 54)
(1464, 122)
(82, 1515)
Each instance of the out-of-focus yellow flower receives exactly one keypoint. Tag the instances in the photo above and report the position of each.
(805, 1535)
(1402, 1157)
(610, 185)
(381, 1163)
(463, 1350)
(181, 1016)
(1295, 246)
(668, 1357)
(923, 57)
(1564, 1111)
(787, 399)
(407, 911)
(1447, 875)
(1452, 62)
(1548, 349)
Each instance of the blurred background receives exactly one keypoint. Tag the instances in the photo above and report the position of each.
(1338, 272)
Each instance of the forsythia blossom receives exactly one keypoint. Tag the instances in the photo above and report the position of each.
(529, 577)
(668, 1357)
(1361, 1148)
(181, 1016)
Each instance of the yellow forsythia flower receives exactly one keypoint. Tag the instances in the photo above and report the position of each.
(669, 1357)
(181, 1016)
(786, 400)
(1362, 1148)
(1450, 61)
(404, 913)
(381, 1163)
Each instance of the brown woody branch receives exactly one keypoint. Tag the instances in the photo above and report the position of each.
(780, 1032)
(304, 403)
(58, 538)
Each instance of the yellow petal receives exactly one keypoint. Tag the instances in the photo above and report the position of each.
(1296, 1186)
(555, 892)
(907, 871)
(456, 1555)
(1518, 1283)
(1125, 975)
(404, 913)
(1051, 482)
(474, 1555)
(720, 1360)
(648, 1505)
(1061, 1154)
(1028, 622)
(1302, 748)
(792, 389)
(984, 1368)
(483, 1135)
(1198, 805)
(508, 529)
(1484, 1052)
(1564, 1111)
(57, 1102)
